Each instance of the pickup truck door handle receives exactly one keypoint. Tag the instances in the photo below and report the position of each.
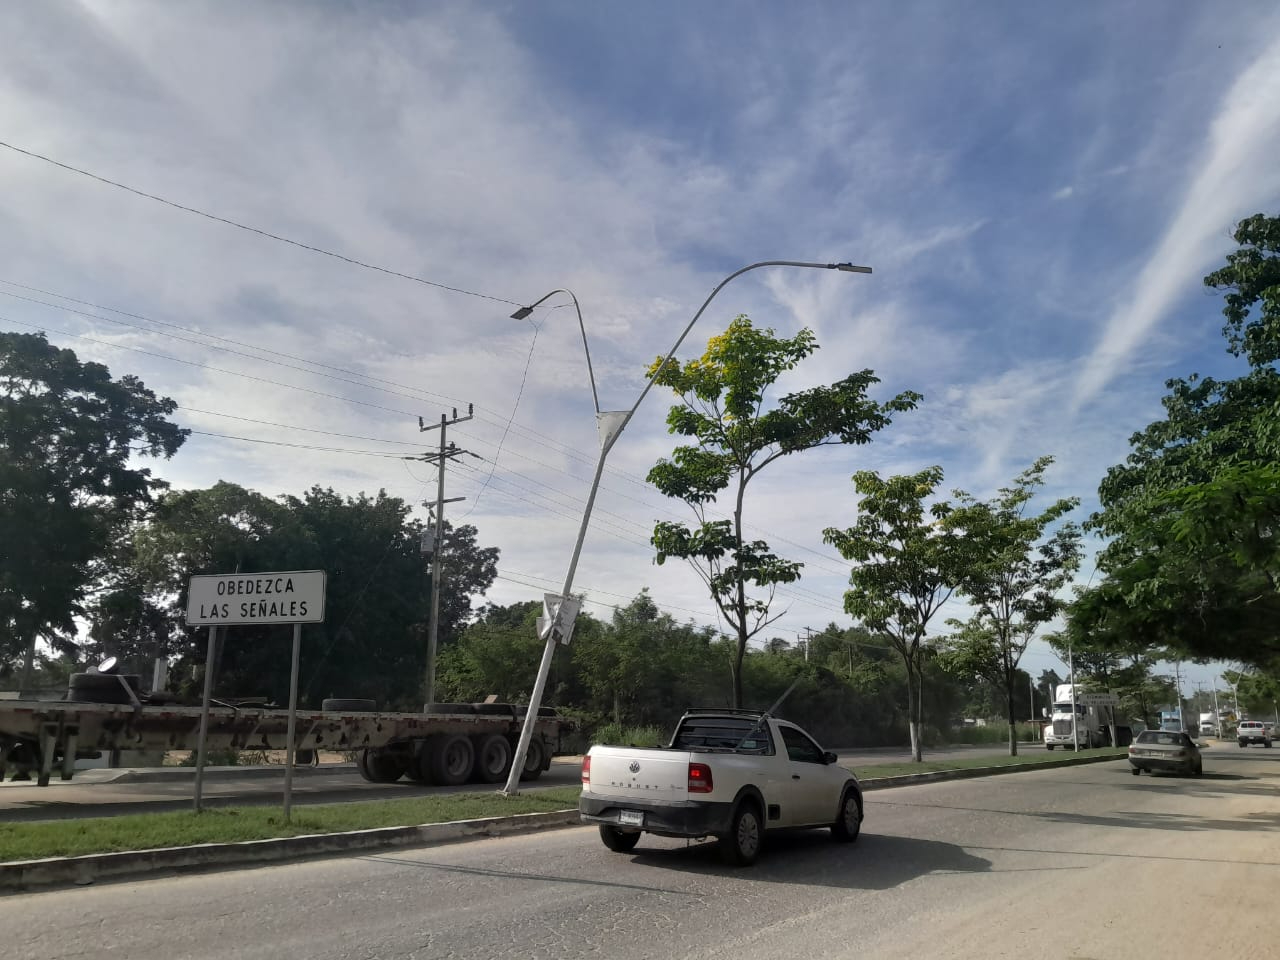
(795, 776)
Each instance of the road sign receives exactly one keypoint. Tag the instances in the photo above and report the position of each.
(553, 604)
(290, 596)
(1097, 700)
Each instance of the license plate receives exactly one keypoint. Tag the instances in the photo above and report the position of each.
(632, 818)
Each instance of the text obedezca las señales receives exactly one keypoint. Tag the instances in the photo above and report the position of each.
(268, 600)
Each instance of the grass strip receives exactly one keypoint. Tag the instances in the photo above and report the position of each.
(868, 771)
(69, 838)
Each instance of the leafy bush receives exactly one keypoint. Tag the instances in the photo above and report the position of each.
(616, 734)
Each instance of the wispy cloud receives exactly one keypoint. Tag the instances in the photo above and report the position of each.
(1236, 168)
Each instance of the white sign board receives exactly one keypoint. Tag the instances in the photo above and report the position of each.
(553, 604)
(1098, 700)
(290, 596)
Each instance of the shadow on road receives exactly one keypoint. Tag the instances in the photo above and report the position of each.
(810, 857)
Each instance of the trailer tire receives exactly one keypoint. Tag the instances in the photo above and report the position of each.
(101, 687)
(448, 708)
(619, 841)
(493, 709)
(453, 758)
(344, 703)
(382, 767)
(535, 760)
(493, 757)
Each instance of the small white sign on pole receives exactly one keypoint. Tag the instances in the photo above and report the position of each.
(553, 604)
(290, 596)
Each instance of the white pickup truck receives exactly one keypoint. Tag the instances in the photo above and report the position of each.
(729, 774)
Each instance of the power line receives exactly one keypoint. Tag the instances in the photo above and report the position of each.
(301, 446)
(507, 426)
(250, 229)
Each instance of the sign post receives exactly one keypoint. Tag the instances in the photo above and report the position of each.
(293, 716)
(204, 716)
(291, 596)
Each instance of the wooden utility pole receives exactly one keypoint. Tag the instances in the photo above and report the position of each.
(446, 453)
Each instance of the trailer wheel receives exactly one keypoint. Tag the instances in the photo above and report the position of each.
(535, 760)
(493, 757)
(102, 687)
(381, 767)
(453, 757)
(344, 703)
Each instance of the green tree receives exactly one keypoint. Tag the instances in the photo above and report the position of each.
(373, 641)
(69, 483)
(1191, 562)
(905, 568)
(723, 408)
(1017, 564)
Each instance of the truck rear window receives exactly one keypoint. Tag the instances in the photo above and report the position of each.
(723, 733)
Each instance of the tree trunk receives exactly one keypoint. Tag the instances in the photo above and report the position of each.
(1013, 723)
(28, 666)
(737, 672)
(913, 715)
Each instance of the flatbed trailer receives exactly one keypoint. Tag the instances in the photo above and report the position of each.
(450, 744)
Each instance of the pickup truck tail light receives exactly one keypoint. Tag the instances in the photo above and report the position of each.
(586, 769)
(699, 778)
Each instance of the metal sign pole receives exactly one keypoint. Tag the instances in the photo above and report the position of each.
(204, 718)
(293, 715)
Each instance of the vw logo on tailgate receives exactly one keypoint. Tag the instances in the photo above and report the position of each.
(635, 766)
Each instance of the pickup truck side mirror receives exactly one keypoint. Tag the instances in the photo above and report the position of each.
(829, 757)
(1044, 711)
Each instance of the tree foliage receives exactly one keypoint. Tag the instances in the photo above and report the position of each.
(1191, 515)
(69, 483)
(735, 433)
(906, 567)
(373, 640)
(1018, 562)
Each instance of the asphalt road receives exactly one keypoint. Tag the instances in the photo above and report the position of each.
(1079, 862)
(82, 797)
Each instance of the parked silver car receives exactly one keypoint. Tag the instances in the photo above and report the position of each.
(1164, 750)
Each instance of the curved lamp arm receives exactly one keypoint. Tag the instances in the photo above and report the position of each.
(523, 314)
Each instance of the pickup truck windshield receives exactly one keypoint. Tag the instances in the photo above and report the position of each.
(723, 733)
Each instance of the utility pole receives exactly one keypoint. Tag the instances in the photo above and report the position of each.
(446, 453)
(1177, 673)
(1217, 714)
(808, 639)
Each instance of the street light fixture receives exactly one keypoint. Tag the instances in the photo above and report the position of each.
(557, 626)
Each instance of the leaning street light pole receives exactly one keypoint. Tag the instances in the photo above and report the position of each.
(557, 626)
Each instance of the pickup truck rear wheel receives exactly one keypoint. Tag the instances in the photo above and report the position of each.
(619, 841)
(849, 823)
(741, 845)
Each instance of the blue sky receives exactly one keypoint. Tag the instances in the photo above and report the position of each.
(1039, 189)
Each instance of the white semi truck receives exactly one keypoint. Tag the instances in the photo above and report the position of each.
(1091, 723)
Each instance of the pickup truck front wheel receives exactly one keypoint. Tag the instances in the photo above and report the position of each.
(619, 841)
(849, 824)
(741, 845)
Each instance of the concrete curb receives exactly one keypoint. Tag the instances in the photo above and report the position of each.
(906, 780)
(27, 875)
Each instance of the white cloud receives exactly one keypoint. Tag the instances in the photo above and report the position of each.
(1237, 167)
